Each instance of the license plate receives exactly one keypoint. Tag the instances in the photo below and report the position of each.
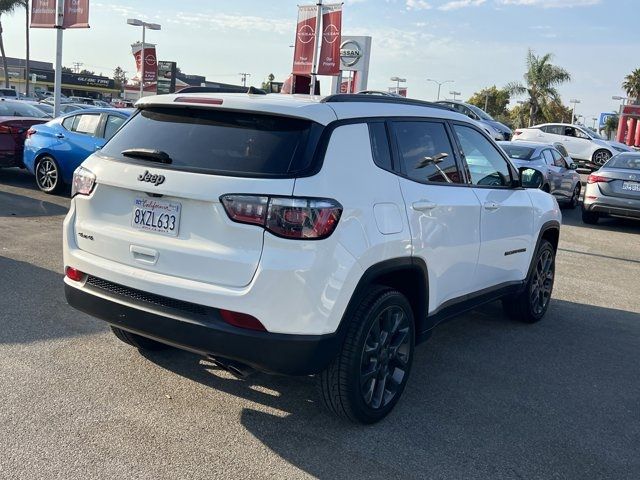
(633, 186)
(156, 216)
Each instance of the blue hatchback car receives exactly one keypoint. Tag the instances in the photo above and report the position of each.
(53, 150)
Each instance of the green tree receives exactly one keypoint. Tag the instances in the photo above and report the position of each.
(611, 125)
(540, 84)
(8, 7)
(631, 84)
(119, 78)
(266, 84)
(492, 100)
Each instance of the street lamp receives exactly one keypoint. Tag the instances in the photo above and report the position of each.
(622, 99)
(151, 26)
(595, 119)
(439, 84)
(454, 93)
(398, 80)
(573, 114)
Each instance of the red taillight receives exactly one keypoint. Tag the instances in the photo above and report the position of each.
(597, 179)
(242, 320)
(74, 274)
(199, 100)
(288, 217)
(9, 129)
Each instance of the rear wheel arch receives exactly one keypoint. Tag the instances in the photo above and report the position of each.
(407, 275)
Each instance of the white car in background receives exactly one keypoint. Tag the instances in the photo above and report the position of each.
(585, 146)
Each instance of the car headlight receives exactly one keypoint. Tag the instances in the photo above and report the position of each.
(83, 182)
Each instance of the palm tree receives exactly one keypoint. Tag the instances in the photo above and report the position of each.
(541, 81)
(611, 125)
(7, 7)
(631, 84)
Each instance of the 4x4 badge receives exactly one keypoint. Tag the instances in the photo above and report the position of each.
(151, 178)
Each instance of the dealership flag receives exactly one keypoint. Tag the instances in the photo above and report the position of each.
(150, 62)
(43, 13)
(305, 39)
(76, 14)
(329, 63)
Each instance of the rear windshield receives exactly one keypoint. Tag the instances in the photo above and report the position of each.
(625, 160)
(518, 152)
(222, 142)
(20, 109)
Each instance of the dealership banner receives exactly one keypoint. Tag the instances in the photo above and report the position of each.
(43, 13)
(150, 62)
(76, 14)
(305, 39)
(329, 61)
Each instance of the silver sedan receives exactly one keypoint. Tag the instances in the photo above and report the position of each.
(560, 178)
(614, 189)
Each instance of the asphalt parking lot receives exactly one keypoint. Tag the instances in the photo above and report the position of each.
(488, 398)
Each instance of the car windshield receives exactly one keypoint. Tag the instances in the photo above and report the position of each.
(481, 113)
(518, 152)
(630, 161)
(20, 109)
(594, 134)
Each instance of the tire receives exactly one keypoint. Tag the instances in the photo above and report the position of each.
(546, 188)
(48, 176)
(575, 198)
(600, 157)
(590, 218)
(532, 303)
(366, 379)
(140, 342)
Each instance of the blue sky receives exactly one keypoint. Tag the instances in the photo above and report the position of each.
(477, 43)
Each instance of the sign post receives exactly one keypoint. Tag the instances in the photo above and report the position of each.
(57, 83)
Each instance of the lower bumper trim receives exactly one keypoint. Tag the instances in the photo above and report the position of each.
(277, 353)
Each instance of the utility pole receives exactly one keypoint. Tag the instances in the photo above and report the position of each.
(454, 93)
(486, 101)
(76, 66)
(316, 42)
(573, 113)
(244, 78)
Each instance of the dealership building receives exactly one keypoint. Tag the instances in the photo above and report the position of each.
(42, 78)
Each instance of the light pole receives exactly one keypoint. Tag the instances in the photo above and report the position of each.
(439, 84)
(622, 99)
(454, 93)
(151, 26)
(594, 121)
(398, 80)
(575, 101)
(244, 76)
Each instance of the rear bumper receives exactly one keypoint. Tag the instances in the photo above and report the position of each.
(614, 207)
(208, 334)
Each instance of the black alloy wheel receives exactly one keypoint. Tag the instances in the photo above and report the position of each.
(542, 282)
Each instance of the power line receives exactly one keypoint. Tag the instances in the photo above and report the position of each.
(244, 78)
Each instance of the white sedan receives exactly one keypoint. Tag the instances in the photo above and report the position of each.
(585, 146)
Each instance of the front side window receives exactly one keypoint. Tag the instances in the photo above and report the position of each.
(113, 123)
(558, 161)
(425, 152)
(486, 166)
(548, 158)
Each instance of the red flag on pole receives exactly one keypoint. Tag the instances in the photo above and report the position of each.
(305, 39)
(329, 63)
(43, 13)
(150, 61)
(76, 14)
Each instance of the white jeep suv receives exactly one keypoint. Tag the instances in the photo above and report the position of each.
(304, 236)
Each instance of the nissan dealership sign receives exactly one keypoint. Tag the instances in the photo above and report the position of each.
(350, 53)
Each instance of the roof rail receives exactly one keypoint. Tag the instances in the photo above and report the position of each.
(356, 97)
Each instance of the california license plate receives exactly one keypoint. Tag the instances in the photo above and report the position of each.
(633, 186)
(156, 216)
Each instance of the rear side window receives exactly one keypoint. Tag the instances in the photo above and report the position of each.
(380, 145)
(426, 153)
(216, 141)
(86, 124)
(548, 158)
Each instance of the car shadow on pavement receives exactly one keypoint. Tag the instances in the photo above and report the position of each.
(487, 398)
(33, 307)
(623, 225)
(13, 205)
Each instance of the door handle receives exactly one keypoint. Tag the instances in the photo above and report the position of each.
(59, 135)
(491, 206)
(423, 205)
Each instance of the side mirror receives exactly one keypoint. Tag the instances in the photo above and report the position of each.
(530, 177)
(573, 166)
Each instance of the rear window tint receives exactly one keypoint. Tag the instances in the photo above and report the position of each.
(217, 141)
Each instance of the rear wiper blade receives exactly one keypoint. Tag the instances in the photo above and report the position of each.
(148, 154)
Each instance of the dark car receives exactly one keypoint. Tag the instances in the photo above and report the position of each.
(16, 117)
